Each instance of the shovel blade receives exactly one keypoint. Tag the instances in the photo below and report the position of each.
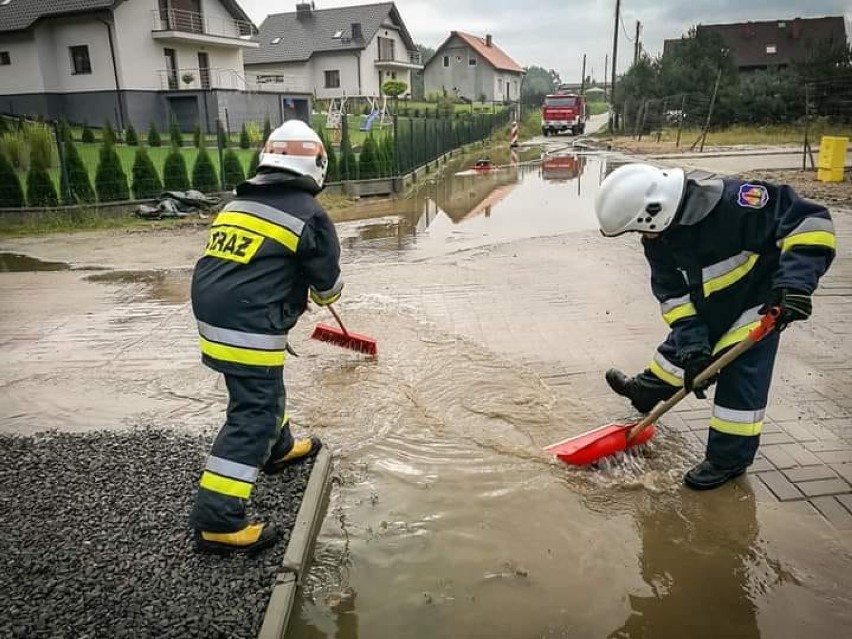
(594, 445)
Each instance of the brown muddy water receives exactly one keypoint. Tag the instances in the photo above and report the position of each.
(446, 520)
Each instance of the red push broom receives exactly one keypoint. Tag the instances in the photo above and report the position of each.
(343, 338)
(592, 446)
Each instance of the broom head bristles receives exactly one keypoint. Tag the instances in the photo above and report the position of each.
(351, 341)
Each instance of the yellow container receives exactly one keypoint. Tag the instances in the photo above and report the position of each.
(830, 175)
(832, 152)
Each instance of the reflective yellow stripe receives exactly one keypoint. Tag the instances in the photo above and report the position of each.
(679, 312)
(664, 375)
(248, 356)
(736, 428)
(225, 486)
(811, 238)
(267, 229)
(731, 277)
(324, 301)
(735, 336)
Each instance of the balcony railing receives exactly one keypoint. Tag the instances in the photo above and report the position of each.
(194, 22)
(413, 59)
(201, 79)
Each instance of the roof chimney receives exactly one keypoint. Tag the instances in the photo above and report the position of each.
(488, 40)
(304, 9)
(356, 31)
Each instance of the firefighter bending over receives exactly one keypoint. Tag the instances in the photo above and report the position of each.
(722, 252)
(268, 249)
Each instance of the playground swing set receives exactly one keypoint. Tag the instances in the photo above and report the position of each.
(378, 108)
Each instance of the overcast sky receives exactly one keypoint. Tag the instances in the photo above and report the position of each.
(556, 33)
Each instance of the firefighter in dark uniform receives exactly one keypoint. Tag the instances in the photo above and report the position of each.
(268, 250)
(722, 252)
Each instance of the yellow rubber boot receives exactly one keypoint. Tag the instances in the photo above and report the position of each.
(302, 449)
(251, 539)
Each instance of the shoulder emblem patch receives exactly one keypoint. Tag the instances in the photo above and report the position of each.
(753, 196)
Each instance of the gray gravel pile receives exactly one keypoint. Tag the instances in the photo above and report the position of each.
(94, 539)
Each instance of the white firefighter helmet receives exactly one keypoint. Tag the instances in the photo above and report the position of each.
(639, 197)
(296, 147)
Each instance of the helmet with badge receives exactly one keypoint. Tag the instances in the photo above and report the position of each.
(295, 147)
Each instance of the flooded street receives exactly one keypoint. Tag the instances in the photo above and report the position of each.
(497, 307)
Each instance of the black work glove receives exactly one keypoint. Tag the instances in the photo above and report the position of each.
(795, 306)
(693, 364)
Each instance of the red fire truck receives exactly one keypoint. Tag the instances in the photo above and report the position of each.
(563, 111)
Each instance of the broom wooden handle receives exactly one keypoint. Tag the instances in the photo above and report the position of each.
(766, 325)
(339, 321)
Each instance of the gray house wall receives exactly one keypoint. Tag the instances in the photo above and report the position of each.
(470, 82)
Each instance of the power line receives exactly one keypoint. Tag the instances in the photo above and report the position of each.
(624, 29)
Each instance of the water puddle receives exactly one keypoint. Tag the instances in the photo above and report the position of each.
(17, 263)
(166, 286)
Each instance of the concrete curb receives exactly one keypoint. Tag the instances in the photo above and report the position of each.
(299, 549)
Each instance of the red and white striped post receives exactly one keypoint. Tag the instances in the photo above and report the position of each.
(514, 133)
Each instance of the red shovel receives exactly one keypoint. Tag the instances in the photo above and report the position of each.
(343, 338)
(596, 444)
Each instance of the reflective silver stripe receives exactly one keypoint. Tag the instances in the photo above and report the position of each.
(751, 315)
(667, 366)
(673, 303)
(268, 213)
(808, 225)
(739, 416)
(231, 337)
(725, 266)
(334, 290)
(232, 469)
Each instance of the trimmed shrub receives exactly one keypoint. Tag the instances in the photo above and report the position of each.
(78, 175)
(40, 189)
(222, 136)
(146, 182)
(175, 176)
(110, 179)
(176, 135)
(348, 166)
(245, 141)
(333, 173)
(4, 125)
(130, 136)
(254, 133)
(267, 128)
(16, 149)
(198, 137)
(11, 193)
(388, 145)
(204, 173)
(42, 146)
(154, 136)
(233, 170)
(88, 135)
(65, 131)
(252, 167)
(107, 133)
(368, 161)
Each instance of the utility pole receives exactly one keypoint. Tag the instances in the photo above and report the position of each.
(637, 47)
(583, 78)
(613, 117)
(606, 73)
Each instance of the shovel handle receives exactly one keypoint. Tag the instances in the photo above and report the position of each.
(339, 321)
(767, 323)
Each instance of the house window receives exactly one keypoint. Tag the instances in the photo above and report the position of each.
(471, 61)
(446, 61)
(386, 49)
(5, 59)
(80, 63)
(500, 85)
(337, 35)
(771, 49)
(332, 79)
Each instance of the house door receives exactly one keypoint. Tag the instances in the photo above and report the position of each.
(185, 111)
(171, 69)
(204, 69)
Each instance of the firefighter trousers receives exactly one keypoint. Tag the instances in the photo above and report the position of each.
(739, 402)
(256, 428)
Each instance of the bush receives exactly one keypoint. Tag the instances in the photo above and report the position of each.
(245, 141)
(146, 182)
(154, 136)
(65, 131)
(198, 137)
(332, 175)
(252, 167)
(107, 134)
(394, 88)
(110, 179)
(11, 193)
(388, 145)
(254, 133)
(42, 146)
(88, 137)
(204, 174)
(40, 189)
(176, 135)
(368, 162)
(78, 175)
(175, 176)
(130, 136)
(233, 170)
(267, 128)
(222, 135)
(14, 146)
(348, 162)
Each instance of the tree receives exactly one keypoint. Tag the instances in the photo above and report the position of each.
(146, 182)
(388, 145)
(233, 169)
(64, 131)
(197, 136)
(130, 136)
(394, 88)
(175, 176)
(176, 135)
(368, 161)
(332, 174)
(245, 142)
(538, 82)
(418, 91)
(40, 189)
(204, 173)
(252, 167)
(88, 137)
(267, 128)
(107, 134)
(222, 135)
(78, 175)
(348, 166)
(154, 136)
(11, 193)
(110, 179)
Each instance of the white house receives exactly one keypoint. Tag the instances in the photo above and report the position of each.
(474, 68)
(134, 61)
(344, 51)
